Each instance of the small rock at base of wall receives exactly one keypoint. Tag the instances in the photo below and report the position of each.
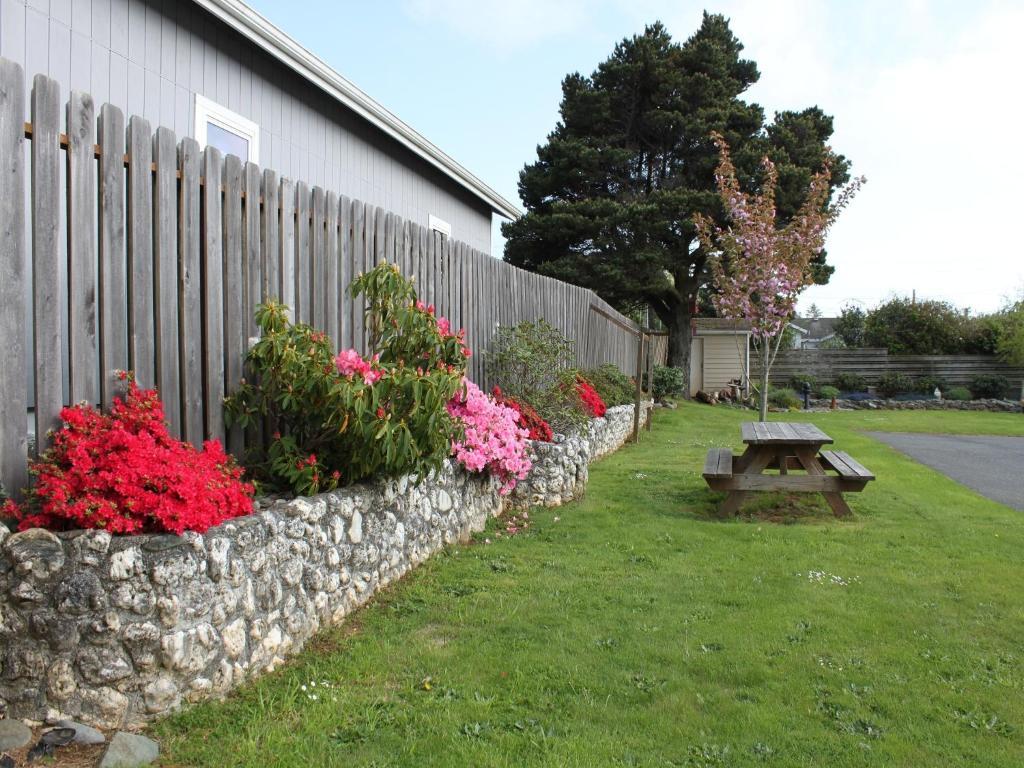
(84, 734)
(129, 750)
(14, 734)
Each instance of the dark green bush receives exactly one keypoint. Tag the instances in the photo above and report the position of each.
(908, 327)
(614, 387)
(850, 382)
(668, 382)
(989, 385)
(784, 398)
(927, 385)
(534, 363)
(958, 393)
(895, 384)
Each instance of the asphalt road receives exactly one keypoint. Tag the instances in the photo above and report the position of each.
(993, 466)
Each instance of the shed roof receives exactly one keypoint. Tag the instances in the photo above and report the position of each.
(721, 324)
(260, 31)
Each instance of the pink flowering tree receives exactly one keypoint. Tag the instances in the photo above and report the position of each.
(760, 268)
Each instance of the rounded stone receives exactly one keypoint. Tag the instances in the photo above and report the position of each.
(84, 734)
(161, 695)
(129, 750)
(14, 734)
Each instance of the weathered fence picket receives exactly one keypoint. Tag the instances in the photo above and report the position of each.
(48, 360)
(82, 342)
(112, 265)
(15, 269)
(141, 316)
(171, 248)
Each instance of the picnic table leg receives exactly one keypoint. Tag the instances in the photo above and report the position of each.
(808, 457)
(740, 463)
(757, 458)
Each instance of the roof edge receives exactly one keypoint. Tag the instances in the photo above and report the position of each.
(255, 27)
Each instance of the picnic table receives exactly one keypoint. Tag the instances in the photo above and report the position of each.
(784, 447)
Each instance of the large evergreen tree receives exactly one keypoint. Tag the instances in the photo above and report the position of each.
(612, 197)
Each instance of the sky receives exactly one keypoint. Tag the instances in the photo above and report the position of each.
(924, 97)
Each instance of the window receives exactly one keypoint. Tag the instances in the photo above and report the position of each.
(232, 134)
(439, 225)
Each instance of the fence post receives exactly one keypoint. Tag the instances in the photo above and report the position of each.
(639, 385)
(650, 377)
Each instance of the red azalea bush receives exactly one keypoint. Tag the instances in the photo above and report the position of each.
(592, 402)
(124, 473)
(529, 419)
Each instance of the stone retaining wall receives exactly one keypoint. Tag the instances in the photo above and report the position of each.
(998, 406)
(114, 631)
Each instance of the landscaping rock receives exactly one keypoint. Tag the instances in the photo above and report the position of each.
(129, 750)
(14, 734)
(84, 734)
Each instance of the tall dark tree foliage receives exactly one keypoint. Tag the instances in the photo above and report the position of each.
(611, 200)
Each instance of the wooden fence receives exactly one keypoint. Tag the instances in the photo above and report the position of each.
(169, 249)
(873, 363)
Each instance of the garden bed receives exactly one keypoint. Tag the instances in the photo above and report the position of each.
(116, 630)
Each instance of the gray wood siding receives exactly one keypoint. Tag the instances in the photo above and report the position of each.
(150, 57)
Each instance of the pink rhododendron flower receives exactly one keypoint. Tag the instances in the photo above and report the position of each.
(350, 363)
(444, 327)
(493, 441)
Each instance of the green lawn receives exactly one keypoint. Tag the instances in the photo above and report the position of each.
(632, 628)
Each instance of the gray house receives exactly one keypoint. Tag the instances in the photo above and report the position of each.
(219, 72)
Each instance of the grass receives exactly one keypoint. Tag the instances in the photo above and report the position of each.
(634, 629)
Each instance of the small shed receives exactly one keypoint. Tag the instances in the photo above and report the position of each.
(720, 354)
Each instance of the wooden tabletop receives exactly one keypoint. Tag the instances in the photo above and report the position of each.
(782, 432)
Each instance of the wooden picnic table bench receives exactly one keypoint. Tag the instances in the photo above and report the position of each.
(783, 447)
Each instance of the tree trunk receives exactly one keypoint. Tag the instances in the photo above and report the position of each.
(765, 352)
(680, 337)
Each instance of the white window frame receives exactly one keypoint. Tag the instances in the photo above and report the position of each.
(209, 111)
(438, 224)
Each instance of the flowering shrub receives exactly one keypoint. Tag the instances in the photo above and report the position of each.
(592, 402)
(529, 419)
(534, 363)
(342, 418)
(614, 387)
(492, 439)
(124, 473)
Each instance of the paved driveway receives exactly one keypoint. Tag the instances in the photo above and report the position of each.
(993, 466)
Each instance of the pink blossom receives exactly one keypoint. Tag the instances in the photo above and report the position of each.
(348, 362)
(444, 327)
(492, 439)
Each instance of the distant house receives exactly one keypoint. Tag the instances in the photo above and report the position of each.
(217, 71)
(720, 354)
(812, 332)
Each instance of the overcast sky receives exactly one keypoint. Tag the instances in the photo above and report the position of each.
(924, 94)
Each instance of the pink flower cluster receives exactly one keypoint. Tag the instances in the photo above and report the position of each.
(350, 363)
(493, 440)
